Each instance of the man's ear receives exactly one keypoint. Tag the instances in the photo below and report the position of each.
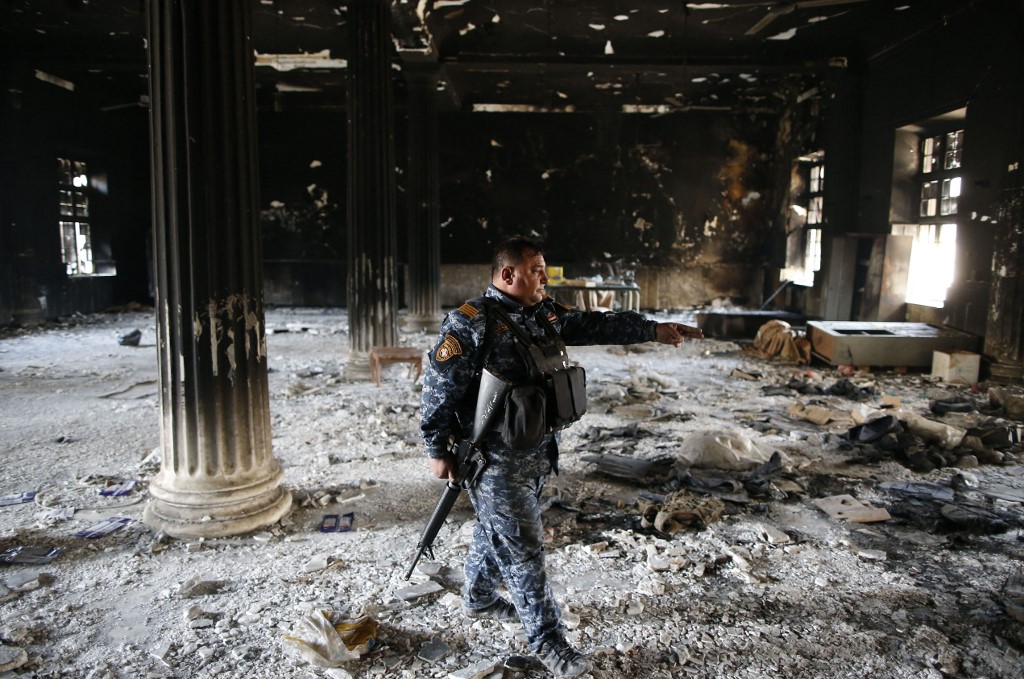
(507, 273)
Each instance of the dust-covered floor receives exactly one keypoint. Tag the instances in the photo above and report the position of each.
(772, 587)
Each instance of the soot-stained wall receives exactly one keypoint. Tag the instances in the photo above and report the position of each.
(43, 122)
(972, 62)
(682, 193)
(302, 206)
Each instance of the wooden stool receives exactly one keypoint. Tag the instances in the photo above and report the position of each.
(382, 356)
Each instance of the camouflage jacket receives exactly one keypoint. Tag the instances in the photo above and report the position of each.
(453, 374)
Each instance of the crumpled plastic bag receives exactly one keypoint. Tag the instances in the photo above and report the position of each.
(322, 640)
(721, 450)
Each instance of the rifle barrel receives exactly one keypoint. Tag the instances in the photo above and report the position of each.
(441, 511)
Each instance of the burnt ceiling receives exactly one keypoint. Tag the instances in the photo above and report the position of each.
(651, 56)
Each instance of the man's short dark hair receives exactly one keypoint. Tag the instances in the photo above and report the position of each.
(512, 251)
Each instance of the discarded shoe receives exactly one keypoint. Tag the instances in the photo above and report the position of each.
(562, 660)
(996, 435)
(869, 432)
(953, 404)
(130, 338)
(502, 609)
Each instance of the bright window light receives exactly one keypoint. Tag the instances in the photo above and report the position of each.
(804, 275)
(932, 259)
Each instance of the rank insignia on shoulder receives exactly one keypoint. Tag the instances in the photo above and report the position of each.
(552, 317)
(449, 348)
(469, 310)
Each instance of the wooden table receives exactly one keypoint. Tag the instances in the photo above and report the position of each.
(586, 293)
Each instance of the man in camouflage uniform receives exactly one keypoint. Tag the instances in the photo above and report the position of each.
(508, 538)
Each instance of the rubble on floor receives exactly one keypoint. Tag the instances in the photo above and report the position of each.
(717, 515)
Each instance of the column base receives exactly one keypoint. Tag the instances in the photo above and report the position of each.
(1007, 372)
(213, 514)
(357, 366)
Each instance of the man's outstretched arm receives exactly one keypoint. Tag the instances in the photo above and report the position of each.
(676, 333)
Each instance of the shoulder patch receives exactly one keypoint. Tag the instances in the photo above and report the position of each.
(449, 348)
(469, 310)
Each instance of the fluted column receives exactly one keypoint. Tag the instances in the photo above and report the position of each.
(372, 277)
(218, 475)
(423, 273)
(1004, 334)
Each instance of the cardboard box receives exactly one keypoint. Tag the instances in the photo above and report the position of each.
(956, 367)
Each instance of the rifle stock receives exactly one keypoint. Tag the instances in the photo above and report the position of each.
(469, 459)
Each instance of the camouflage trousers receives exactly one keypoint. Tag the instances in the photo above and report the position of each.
(508, 546)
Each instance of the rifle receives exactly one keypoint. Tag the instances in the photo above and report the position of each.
(469, 459)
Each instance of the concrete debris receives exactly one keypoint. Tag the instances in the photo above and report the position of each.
(419, 591)
(12, 657)
(769, 586)
(433, 650)
(196, 587)
(851, 509)
(484, 668)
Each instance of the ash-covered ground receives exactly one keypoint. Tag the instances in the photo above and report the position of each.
(748, 577)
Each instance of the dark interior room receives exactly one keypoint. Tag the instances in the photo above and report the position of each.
(286, 197)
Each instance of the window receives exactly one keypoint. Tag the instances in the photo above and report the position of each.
(931, 261)
(933, 255)
(807, 214)
(75, 233)
(939, 195)
(81, 253)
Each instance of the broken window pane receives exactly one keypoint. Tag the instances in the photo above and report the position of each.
(75, 233)
(803, 244)
(950, 194)
(929, 199)
(954, 150)
(929, 156)
(814, 210)
(812, 258)
(817, 184)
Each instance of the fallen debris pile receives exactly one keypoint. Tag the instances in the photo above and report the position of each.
(717, 515)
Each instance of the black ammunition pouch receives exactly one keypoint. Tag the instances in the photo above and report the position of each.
(555, 398)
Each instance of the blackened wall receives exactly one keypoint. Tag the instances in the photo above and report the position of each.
(302, 206)
(685, 195)
(41, 123)
(973, 60)
(674, 191)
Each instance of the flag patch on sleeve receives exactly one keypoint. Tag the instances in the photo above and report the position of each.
(449, 348)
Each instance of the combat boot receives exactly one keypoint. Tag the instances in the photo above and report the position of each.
(501, 609)
(562, 660)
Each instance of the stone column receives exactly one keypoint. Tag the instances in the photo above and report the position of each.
(423, 275)
(372, 277)
(1004, 334)
(218, 475)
